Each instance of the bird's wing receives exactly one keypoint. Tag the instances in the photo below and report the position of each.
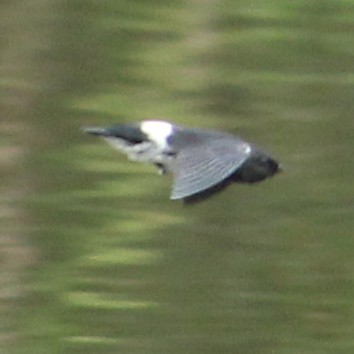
(203, 165)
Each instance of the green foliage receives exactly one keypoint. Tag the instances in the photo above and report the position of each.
(118, 268)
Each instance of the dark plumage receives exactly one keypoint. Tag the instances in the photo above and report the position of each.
(201, 161)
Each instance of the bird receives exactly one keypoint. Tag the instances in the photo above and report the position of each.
(202, 162)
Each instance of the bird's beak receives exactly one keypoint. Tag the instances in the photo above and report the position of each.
(280, 169)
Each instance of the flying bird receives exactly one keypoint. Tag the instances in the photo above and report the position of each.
(202, 162)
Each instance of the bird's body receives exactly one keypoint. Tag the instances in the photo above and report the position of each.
(201, 161)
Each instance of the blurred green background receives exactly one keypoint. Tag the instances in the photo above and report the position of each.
(94, 258)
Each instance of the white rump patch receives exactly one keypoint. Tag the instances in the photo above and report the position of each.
(158, 131)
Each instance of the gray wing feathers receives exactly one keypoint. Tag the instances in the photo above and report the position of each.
(206, 164)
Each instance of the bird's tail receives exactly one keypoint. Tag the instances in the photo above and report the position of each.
(95, 131)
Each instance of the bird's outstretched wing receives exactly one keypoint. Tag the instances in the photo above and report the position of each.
(206, 163)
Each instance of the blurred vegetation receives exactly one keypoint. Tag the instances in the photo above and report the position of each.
(95, 258)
